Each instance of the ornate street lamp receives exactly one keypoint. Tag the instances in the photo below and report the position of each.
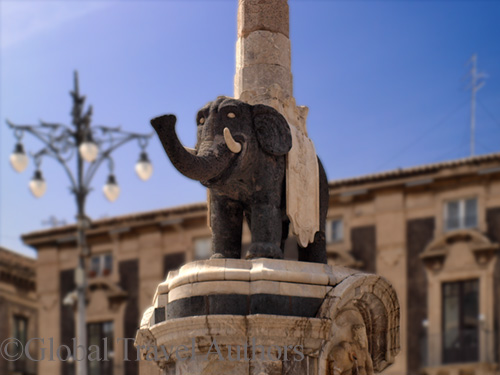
(19, 159)
(89, 150)
(92, 145)
(144, 168)
(37, 185)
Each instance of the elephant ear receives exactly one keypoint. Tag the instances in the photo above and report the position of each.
(273, 132)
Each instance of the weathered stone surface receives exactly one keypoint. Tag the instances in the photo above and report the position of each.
(292, 367)
(254, 77)
(270, 15)
(349, 304)
(302, 188)
(262, 269)
(159, 315)
(355, 324)
(212, 366)
(221, 304)
(307, 366)
(274, 96)
(239, 304)
(265, 367)
(263, 47)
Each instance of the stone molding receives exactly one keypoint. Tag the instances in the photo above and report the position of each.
(435, 254)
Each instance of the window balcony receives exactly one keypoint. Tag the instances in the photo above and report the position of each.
(460, 352)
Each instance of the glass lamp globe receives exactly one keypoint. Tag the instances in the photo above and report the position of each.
(111, 189)
(89, 151)
(144, 168)
(37, 184)
(19, 159)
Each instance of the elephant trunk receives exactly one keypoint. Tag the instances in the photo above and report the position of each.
(200, 168)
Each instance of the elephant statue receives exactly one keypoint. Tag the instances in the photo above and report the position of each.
(240, 156)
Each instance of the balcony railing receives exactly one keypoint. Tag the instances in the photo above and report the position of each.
(467, 346)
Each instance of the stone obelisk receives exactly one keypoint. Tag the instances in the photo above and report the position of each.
(264, 76)
(263, 59)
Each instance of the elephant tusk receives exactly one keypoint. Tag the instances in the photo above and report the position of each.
(191, 150)
(230, 142)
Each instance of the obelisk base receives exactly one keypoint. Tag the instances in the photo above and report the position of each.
(267, 316)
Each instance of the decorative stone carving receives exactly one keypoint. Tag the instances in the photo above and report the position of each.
(301, 318)
(350, 354)
(438, 250)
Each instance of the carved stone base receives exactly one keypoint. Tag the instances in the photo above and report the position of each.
(265, 316)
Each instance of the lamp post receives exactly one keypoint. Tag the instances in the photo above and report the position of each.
(93, 145)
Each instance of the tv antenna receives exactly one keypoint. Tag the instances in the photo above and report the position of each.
(53, 222)
(476, 82)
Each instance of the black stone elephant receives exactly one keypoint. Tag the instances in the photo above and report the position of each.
(240, 155)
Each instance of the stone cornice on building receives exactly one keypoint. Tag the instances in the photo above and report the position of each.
(419, 176)
(17, 269)
(167, 217)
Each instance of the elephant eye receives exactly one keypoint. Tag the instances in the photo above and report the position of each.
(202, 120)
(231, 115)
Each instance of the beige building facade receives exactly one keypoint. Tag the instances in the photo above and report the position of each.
(432, 231)
(18, 314)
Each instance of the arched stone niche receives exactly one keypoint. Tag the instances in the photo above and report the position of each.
(364, 311)
(296, 317)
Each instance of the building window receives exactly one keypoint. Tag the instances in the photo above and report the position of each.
(100, 335)
(461, 214)
(21, 335)
(202, 248)
(334, 230)
(101, 265)
(461, 321)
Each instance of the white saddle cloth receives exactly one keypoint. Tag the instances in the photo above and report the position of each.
(302, 187)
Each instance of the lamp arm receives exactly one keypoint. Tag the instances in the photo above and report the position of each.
(53, 125)
(106, 154)
(51, 150)
(48, 152)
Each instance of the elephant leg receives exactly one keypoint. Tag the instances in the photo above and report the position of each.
(227, 219)
(316, 251)
(266, 232)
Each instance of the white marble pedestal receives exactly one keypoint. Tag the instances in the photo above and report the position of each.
(265, 316)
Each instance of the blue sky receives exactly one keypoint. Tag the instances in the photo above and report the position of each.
(383, 81)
